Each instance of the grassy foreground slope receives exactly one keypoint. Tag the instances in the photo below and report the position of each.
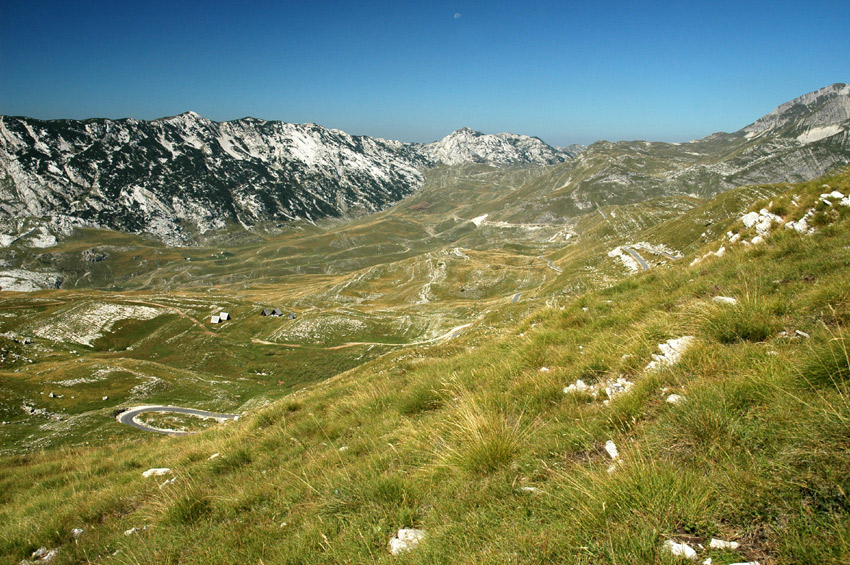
(476, 442)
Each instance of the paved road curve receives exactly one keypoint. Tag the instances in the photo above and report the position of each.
(129, 417)
(644, 265)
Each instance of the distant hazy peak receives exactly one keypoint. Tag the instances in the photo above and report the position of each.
(828, 106)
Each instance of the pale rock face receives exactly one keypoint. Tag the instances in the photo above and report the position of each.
(153, 177)
(821, 110)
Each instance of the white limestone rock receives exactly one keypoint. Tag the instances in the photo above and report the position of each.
(671, 352)
(681, 549)
(723, 544)
(405, 540)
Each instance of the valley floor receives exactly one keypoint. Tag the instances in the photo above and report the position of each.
(704, 398)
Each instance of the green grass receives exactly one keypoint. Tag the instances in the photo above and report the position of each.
(473, 442)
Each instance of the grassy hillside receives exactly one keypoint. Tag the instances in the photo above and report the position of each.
(475, 441)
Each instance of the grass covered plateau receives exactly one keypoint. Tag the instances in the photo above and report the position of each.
(578, 430)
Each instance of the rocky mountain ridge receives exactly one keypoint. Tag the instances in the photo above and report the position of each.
(182, 174)
(185, 175)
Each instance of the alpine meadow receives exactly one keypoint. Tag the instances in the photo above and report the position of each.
(254, 341)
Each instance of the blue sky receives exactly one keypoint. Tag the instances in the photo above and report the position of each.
(567, 72)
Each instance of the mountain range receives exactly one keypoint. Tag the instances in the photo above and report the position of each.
(182, 176)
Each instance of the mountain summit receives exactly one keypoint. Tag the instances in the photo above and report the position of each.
(467, 145)
(811, 117)
(180, 176)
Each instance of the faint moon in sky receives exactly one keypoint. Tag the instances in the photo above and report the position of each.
(457, 15)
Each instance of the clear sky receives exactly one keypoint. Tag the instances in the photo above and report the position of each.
(565, 71)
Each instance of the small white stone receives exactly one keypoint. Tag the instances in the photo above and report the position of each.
(213, 456)
(612, 450)
(105, 398)
(531, 490)
(801, 333)
(156, 471)
(544, 369)
(723, 544)
(405, 540)
(706, 561)
(724, 300)
(758, 239)
(76, 532)
(681, 549)
(131, 531)
(168, 482)
(578, 386)
(343, 448)
(675, 399)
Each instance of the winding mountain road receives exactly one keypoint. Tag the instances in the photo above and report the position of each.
(643, 264)
(551, 264)
(129, 417)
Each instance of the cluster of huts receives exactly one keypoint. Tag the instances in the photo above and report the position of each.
(219, 318)
(224, 316)
(276, 312)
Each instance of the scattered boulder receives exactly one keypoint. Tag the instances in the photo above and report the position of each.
(614, 453)
(761, 220)
(42, 555)
(611, 388)
(93, 257)
(723, 544)
(671, 352)
(578, 386)
(156, 471)
(680, 549)
(405, 540)
(612, 450)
